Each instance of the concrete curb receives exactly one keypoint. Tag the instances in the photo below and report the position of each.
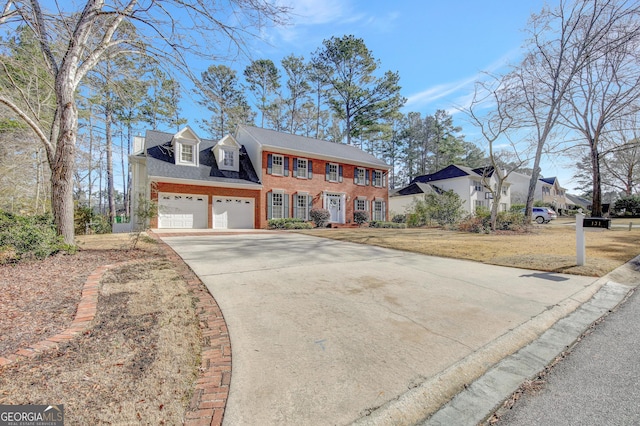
(479, 400)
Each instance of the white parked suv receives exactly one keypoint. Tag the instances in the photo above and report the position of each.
(543, 214)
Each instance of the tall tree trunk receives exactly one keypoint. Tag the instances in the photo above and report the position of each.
(62, 169)
(109, 149)
(596, 201)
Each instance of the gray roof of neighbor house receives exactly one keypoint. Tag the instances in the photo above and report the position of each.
(454, 171)
(270, 139)
(161, 162)
(415, 188)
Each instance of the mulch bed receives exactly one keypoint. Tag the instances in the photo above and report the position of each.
(39, 298)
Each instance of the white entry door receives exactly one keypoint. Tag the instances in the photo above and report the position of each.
(182, 211)
(233, 213)
(334, 205)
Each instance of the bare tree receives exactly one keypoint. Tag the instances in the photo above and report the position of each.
(605, 91)
(495, 126)
(562, 42)
(73, 42)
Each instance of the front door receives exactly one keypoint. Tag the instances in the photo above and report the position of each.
(334, 205)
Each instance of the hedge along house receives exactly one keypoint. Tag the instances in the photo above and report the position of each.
(243, 180)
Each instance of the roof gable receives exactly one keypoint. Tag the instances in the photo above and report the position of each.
(186, 133)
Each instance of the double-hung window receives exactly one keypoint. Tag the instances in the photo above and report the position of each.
(377, 178)
(228, 157)
(186, 153)
(378, 210)
(301, 206)
(360, 176)
(277, 205)
(302, 168)
(278, 165)
(333, 172)
(477, 185)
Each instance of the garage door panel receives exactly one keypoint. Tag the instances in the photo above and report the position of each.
(233, 213)
(182, 211)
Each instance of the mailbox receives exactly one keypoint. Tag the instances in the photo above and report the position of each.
(596, 222)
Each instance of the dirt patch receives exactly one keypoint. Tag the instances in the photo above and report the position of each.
(136, 364)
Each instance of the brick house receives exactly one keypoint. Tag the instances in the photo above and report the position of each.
(245, 179)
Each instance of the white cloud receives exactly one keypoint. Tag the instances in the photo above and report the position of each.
(438, 92)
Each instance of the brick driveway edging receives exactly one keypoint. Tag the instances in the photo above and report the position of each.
(212, 386)
(86, 312)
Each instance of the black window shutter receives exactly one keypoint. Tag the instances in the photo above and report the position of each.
(269, 163)
(286, 166)
(326, 172)
(309, 169)
(340, 171)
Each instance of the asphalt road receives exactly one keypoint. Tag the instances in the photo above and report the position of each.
(598, 383)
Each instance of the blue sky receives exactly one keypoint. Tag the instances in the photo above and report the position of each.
(439, 48)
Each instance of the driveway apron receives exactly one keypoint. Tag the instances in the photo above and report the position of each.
(325, 332)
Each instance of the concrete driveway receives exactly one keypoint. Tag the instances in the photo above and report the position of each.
(327, 332)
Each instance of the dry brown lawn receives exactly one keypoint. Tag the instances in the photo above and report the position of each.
(139, 360)
(549, 247)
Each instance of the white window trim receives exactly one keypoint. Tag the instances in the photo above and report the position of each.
(306, 209)
(273, 165)
(373, 178)
(233, 152)
(306, 168)
(360, 181)
(337, 166)
(382, 212)
(280, 193)
(194, 151)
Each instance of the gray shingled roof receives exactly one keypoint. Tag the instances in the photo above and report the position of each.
(161, 162)
(313, 147)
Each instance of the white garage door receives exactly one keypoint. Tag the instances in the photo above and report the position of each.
(233, 213)
(183, 211)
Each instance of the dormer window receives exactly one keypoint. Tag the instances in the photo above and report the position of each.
(185, 144)
(228, 157)
(186, 154)
(227, 154)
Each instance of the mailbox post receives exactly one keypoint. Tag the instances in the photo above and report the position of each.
(587, 222)
(580, 256)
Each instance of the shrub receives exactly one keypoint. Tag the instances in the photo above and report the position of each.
(511, 221)
(86, 221)
(320, 217)
(289, 223)
(399, 218)
(381, 224)
(627, 206)
(24, 237)
(475, 224)
(445, 208)
(360, 217)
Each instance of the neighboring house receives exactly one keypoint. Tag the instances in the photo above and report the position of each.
(245, 179)
(401, 200)
(575, 202)
(548, 190)
(470, 184)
